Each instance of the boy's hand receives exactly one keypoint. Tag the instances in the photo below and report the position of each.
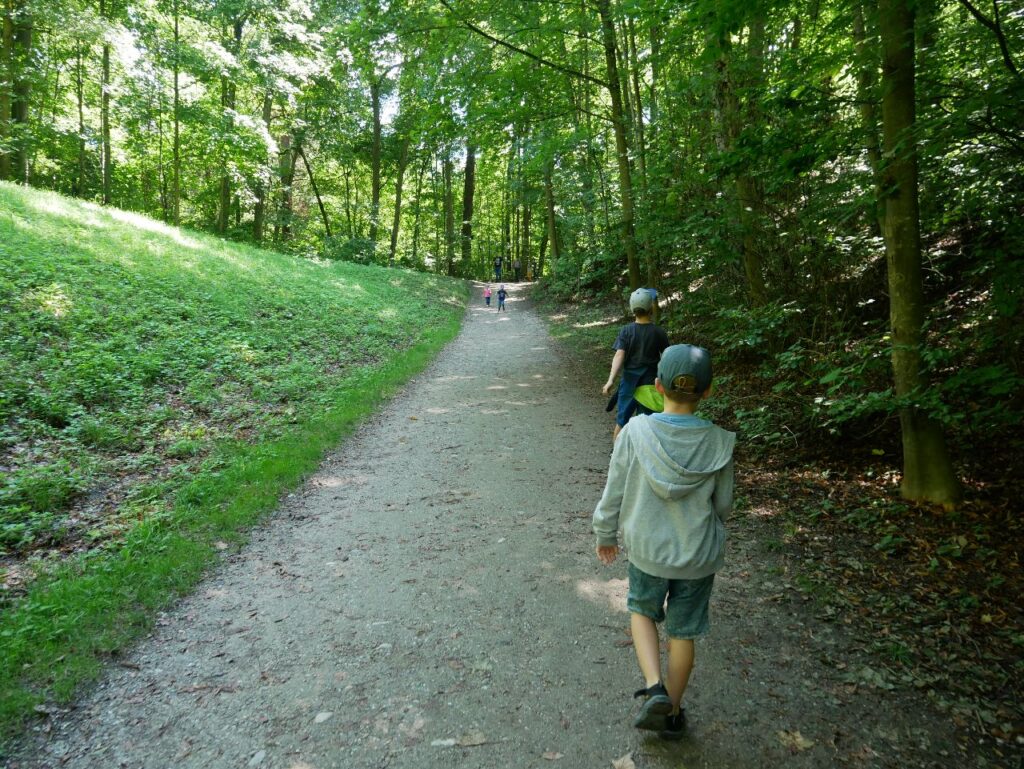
(607, 389)
(606, 554)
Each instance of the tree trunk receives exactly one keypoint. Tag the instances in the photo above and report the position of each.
(468, 188)
(105, 149)
(259, 213)
(316, 191)
(375, 161)
(286, 169)
(228, 92)
(6, 86)
(403, 160)
(867, 64)
(416, 215)
(927, 470)
(176, 151)
(638, 111)
(748, 194)
(79, 186)
(449, 214)
(552, 223)
(621, 144)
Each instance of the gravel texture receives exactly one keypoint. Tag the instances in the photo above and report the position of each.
(431, 598)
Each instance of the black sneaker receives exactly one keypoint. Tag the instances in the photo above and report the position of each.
(654, 712)
(675, 726)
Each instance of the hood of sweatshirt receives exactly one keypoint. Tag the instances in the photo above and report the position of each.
(677, 459)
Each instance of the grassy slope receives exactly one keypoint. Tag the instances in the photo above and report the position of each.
(159, 389)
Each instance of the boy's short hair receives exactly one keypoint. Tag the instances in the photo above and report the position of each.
(685, 372)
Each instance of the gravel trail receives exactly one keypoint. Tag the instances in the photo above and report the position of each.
(430, 598)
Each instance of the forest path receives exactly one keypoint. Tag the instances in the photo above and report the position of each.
(431, 598)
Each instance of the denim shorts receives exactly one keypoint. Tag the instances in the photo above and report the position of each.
(686, 614)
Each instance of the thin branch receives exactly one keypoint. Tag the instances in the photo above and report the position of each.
(528, 54)
(997, 29)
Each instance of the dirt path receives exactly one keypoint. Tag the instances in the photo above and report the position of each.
(431, 598)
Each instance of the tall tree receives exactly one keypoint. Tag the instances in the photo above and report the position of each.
(468, 189)
(614, 86)
(927, 470)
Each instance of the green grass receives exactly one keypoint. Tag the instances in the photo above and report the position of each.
(159, 390)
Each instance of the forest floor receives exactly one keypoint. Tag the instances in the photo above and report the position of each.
(430, 597)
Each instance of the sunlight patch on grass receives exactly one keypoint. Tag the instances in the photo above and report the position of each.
(52, 300)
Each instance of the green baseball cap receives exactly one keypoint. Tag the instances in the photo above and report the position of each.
(685, 369)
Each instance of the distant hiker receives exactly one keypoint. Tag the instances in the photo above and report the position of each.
(669, 489)
(487, 295)
(502, 293)
(517, 266)
(637, 348)
(497, 268)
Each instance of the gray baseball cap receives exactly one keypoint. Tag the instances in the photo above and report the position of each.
(685, 369)
(641, 299)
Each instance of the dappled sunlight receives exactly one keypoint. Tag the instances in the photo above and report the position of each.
(140, 222)
(244, 351)
(494, 412)
(388, 313)
(455, 378)
(595, 323)
(523, 384)
(52, 300)
(609, 594)
(437, 410)
(497, 387)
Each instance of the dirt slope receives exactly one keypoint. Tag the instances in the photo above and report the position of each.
(430, 598)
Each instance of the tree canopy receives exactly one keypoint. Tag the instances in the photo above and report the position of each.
(830, 190)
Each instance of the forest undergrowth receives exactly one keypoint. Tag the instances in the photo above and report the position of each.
(929, 597)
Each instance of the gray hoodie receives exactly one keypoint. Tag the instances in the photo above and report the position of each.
(669, 489)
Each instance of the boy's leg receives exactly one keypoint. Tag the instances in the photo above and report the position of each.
(645, 644)
(680, 665)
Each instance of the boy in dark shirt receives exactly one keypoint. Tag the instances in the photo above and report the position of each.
(638, 348)
(502, 293)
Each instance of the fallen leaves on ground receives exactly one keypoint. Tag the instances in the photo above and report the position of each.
(795, 741)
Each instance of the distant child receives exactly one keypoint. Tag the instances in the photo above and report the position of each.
(487, 295)
(669, 489)
(502, 293)
(637, 349)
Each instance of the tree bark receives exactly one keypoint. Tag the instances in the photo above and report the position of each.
(748, 194)
(552, 222)
(260, 208)
(447, 172)
(867, 64)
(403, 160)
(375, 160)
(6, 86)
(316, 191)
(228, 93)
(468, 188)
(286, 169)
(927, 470)
(638, 111)
(176, 151)
(621, 144)
(416, 216)
(79, 187)
(105, 149)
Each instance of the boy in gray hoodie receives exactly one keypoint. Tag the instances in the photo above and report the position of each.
(669, 489)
